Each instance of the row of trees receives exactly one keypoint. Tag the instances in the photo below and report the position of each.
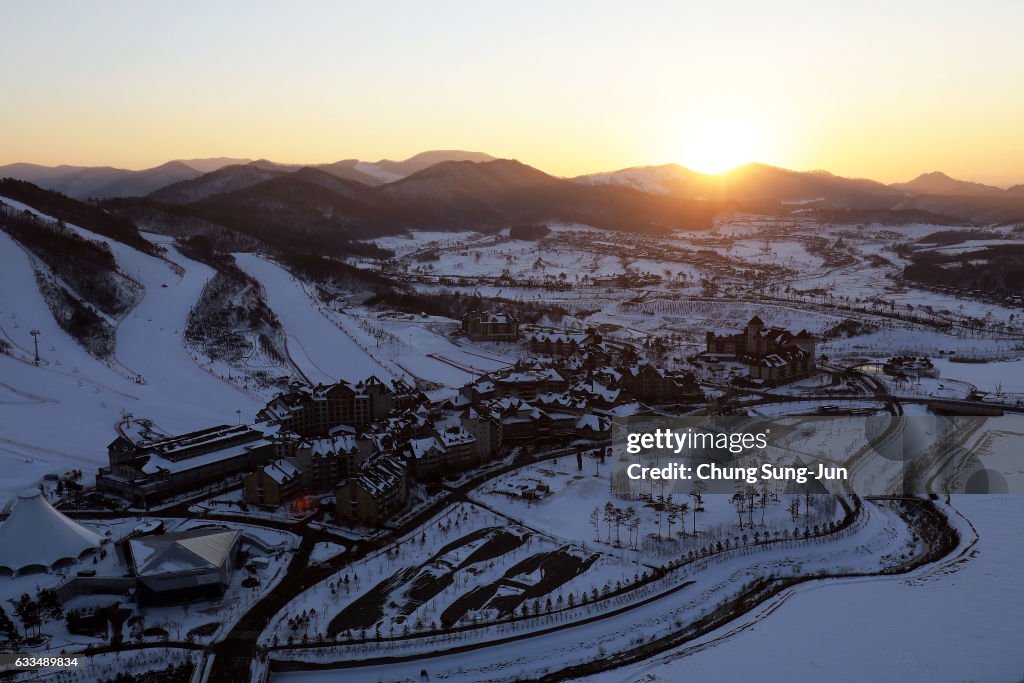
(668, 511)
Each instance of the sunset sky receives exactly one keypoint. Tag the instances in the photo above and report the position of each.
(885, 90)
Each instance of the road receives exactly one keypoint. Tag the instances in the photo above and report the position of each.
(234, 654)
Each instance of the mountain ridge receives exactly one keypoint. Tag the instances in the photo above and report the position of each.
(938, 183)
(102, 182)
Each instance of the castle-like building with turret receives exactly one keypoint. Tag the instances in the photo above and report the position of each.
(771, 354)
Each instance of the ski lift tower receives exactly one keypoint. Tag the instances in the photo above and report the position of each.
(35, 337)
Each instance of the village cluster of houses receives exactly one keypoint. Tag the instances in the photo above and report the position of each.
(537, 401)
(369, 442)
(504, 327)
(363, 442)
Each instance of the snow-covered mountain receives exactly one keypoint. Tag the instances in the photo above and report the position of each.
(663, 179)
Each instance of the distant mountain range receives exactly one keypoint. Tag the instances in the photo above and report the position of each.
(940, 183)
(83, 182)
(329, 208)
(930, 197)
(103, 182)
(326, 209)
(761, 181)
(745, 183)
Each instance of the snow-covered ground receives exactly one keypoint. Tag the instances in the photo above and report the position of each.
(566, 511)
(321, 349)
(325, 550)
(420, 347)
(993, 377)
(879, 535)
(471, 545)
(62, 414)
(953, 623)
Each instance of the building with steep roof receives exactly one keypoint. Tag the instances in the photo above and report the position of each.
(650, 384)
(314, 411)
(773, 354)
(375, 494)
(563, 343)
(277, 482)
(486, 326)
(324, 461)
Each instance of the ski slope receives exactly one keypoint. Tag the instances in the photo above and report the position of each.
(149, 339)
(63, 414)
(319, 347)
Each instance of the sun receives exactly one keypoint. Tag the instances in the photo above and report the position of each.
(719, 144)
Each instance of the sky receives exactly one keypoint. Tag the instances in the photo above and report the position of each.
(885, 90)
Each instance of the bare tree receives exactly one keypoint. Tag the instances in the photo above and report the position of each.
(751, 494)
(682, 508)
(595, 521)
(659, 505)
(620, 517)
(634, 525)
(697, 492)
(739, 502)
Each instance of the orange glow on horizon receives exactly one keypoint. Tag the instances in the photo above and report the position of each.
(863, 92)
(719, 144)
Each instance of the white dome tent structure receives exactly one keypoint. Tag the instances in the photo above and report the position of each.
(36, 537)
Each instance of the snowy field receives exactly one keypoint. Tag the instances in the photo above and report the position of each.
(951, 623)
(427, 578)
(421, 346)
(566, 512)
(879, 535)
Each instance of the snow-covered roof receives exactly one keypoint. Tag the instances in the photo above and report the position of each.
(594, 422)
(560, 337)
(196, 549)
(490, 317)
(37, 535)
(420, 447)
(157, 463)
(454, 435)
(281, 471)
(377, 477)
(339, 443)
(625, 409)
(596, 389)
